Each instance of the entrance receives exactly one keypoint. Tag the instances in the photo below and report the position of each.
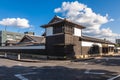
(95, 49)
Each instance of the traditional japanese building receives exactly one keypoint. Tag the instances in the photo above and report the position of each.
(64, 38)
(9, 38)
(29, 40)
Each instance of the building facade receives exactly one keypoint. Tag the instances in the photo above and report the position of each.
(19, 43)
(118, 41)
(6, 37)
(64, 38)
(33, 40)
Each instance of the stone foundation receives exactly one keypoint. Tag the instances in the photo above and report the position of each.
(81, 56)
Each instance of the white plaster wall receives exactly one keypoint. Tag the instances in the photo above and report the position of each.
(111, 45)
(49, 31)
(85, 43)
(99, 44)
(77, 32)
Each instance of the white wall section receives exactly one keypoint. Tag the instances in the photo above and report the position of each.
(111, 45)
(85, 43)
(77, 32)
(49, 31)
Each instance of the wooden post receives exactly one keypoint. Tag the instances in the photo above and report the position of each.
(18, 56)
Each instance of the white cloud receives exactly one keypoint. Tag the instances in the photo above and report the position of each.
(83, 15)
(57, 9)
(17, 22)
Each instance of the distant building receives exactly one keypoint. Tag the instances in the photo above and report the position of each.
(9, 38)
(30, 40)
(29, 33)
(118, 41)
(22, 43)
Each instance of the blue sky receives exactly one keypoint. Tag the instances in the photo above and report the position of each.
(39, 12)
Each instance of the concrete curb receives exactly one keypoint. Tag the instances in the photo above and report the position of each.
(78, 60)
(33, 61)
(24, 60)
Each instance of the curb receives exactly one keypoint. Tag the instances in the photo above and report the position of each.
(22, 60)
(32, 61)
(78, 60)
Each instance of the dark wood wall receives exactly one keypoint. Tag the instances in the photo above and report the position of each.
(69, 39)
(51, 45)
(68, 29)
(25, 51)
(77, 45)
(90, 50)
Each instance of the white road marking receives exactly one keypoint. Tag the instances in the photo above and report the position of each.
(107, 59)
(19, 64)
(21, 76)
(113, 64)
(85, 63)
(34, 68)
(29, 73)
(114, 77)
(88, 72)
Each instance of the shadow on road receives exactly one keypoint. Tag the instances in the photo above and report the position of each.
(52, 73)
(114, 61)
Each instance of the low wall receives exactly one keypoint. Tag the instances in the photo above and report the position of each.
(24, 49)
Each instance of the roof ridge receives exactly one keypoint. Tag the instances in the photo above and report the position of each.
(106, 41)
(35, 35)
(59, 17)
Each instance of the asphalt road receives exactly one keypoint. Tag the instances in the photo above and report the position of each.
(106, 68)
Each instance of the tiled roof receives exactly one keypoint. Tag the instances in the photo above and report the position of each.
(86, 38)
(34, 39)
(12, 41)
(57, 20)
(37, 39)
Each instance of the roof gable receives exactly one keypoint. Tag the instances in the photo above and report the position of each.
(33, 39)
(56, 19)
(26, 38)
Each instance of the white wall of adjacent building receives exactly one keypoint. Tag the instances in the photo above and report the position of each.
(118, 41)
(89, 44)
(77, 32)
(49, 31)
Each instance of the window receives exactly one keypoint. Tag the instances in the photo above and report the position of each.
(18, 37)
(57, 29)
(9, 37)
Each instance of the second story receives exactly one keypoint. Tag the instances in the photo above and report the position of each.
(60, 25)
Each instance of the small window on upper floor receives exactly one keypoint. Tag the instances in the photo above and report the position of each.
(57, 29)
